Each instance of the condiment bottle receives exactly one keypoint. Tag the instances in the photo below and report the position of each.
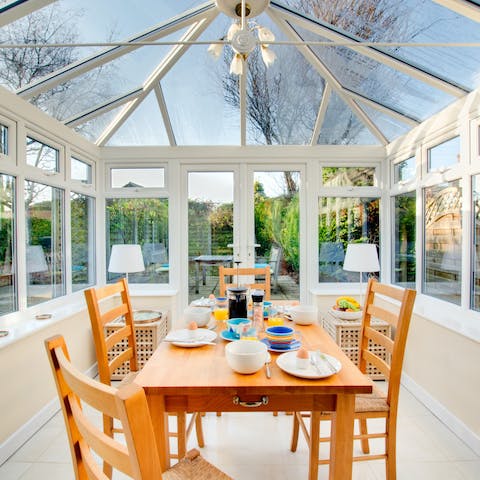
(257, 310)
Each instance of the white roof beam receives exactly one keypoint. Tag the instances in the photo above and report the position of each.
(162, 105)
(310, 56)
(20, 8)
(465, 8)
(105, 107)
(242, 85)
(321, 114)
(382, 108)
(318, 28)
(162, 69)
(86, 64)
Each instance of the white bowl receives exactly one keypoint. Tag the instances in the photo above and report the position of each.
(246, 356)
(304, 314)
(346, 315)
(199, 315)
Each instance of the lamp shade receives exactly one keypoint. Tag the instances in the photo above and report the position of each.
(361, 257)
(126, 259)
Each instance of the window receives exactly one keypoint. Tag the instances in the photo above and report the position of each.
(8, 294)
(82, 209)
(137, 177)
(444, 155)
(42, 156)
(44, 210)
(344, 220)
(404, 261)
(81, 171)
(3, 139)
(348, 176)
(404, 171)
(142, 221)
(475, 294)
(443, 241)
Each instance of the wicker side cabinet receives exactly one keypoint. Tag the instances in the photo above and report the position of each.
(346, 334)
(150, 328)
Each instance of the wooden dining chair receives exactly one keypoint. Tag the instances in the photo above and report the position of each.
(393, 305)
(110, 356)
(235, 273)
(138, 456)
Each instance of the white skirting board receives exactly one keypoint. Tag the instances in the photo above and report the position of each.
(18, 438)
(445, 416)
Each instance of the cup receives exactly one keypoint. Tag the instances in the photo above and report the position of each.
(235, 325)
(220, 310)
(281, 336)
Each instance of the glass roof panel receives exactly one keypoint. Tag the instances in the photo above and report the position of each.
(144, 127)
(281, 108)
(378, 82)
(195, 97)
(94, 127)
(409, 21)
(102, 83)
(391, 127)
(342, 127)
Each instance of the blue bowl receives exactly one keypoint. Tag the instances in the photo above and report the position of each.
(280, 331)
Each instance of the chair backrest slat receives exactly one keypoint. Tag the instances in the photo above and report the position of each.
(376, 311)
(106, 354)
(139, 457)
(380, 339)
(377, 362)
(245, 272)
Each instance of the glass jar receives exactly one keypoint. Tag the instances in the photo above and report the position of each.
(257, 310)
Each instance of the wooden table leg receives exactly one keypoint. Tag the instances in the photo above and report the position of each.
(156, 406)
(341, 443)
(314, 446)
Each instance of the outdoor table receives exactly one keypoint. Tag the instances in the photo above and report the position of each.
(205, 260)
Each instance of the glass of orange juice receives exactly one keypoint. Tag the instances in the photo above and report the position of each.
(220, 311)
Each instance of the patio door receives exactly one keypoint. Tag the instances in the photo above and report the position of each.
(246, 214)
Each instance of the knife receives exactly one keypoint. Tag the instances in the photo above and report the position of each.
(321, 355)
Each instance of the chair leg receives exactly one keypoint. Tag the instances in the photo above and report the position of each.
(199, 430)
(391, 450)
(295, 430)
(108, 430)
(363, 431)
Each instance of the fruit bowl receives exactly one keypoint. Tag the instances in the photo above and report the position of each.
(344, 315)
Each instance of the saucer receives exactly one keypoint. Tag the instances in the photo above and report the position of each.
(295, 345)
(228, 335)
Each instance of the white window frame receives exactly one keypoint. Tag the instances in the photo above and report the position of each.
(78, 184)
(11, 156)
(38, 173)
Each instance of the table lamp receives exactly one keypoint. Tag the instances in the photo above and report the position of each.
(361, 257)
(126, 259)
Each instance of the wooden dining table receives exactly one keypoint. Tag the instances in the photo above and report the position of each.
(180, 380)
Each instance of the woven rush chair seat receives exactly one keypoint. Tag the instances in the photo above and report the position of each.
(138, 457)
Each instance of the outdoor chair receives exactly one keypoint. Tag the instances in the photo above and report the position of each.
(110, 356)
(274, 260)
(138, 456)
(394, 305)
(238, 273)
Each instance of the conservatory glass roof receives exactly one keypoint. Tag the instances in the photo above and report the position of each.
(138, 72)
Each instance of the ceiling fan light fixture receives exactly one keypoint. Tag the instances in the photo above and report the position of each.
(215, 50)
(234, 28)
(265, 35)
(238, 9)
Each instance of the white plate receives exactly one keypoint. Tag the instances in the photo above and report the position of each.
(346, 315)
(288, 363)
(183, 337)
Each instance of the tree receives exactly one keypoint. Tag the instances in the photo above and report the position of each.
(21, 66)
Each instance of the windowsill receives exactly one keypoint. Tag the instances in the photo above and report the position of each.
(453, 317)
(23, 324)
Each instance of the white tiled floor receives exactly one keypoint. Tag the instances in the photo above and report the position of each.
(251, 446)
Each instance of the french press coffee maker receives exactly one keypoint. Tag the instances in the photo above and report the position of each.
(237, 300)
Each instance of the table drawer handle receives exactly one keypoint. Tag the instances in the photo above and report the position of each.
(237, 401)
